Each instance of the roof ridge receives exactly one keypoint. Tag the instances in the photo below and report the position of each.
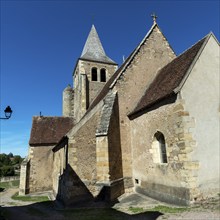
(112, 81)
(131, 56)
(169, 78)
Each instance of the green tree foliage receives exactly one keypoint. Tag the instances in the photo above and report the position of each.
(8, 162)
(10, 155)
(17, 160)
(7, 171)
(5, 160)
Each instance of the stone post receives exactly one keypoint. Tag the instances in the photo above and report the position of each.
(23, 177)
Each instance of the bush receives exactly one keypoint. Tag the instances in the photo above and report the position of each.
(7, 171)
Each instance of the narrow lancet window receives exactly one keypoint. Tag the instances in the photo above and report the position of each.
(160, 147)
(103, 75)
(94, 74)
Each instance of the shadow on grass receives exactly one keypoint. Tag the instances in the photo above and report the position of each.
(53, 210)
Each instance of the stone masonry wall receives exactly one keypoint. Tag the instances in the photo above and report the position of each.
(59, 166)
(41, 166)
(153, 55)
(80, 176)
(175, 181)
(82, 97)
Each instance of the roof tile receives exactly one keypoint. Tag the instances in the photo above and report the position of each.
(168, 78)
(49, 130)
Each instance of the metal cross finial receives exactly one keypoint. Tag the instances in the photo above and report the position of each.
(154, 16)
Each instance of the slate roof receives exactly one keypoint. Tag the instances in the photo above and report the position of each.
(93, 49)
(49, 130)
(168, 79)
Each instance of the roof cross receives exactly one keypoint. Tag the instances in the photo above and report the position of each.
(154, 16)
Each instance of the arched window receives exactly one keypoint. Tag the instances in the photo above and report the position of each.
(103, 75)
(94, 74)
(159, 146)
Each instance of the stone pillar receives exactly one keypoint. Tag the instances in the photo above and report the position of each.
(23, 177)
(102, 157)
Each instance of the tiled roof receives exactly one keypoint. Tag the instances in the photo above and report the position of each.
(93, 49)
(168, 79)
(49, 130)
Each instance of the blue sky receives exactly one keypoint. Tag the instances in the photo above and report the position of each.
(41, 41)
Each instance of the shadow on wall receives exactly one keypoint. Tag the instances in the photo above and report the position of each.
(72, 191)
(52, 210)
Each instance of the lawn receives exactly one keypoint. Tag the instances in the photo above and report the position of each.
(11, 184)
(30, 198)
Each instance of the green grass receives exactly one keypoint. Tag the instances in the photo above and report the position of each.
(11, 184)
(136, 209)
(30, 198)
(166, 209)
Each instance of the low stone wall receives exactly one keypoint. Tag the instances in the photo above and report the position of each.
(9, 178)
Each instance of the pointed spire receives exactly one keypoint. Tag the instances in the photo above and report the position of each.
(93, 49)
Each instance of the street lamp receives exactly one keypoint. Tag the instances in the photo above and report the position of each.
(8, 112)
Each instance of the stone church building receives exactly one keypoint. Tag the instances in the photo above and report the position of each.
(150, 126)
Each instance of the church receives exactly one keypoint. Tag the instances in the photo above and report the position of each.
(149, 126)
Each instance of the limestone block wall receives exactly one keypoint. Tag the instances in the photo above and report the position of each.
(108, 150)
(94, 89)
(153, 55)
(176, 180)
(86, 66)
(86, 89)
(80, 176)
(115, 155)
(41, 167)
(59, 166)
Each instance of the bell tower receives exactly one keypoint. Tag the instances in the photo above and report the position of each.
(93, 69)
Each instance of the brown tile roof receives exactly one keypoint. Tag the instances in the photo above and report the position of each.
(168, 79)
(49, 130)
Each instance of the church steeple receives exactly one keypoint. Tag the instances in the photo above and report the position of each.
(93, 69)
(93, 49)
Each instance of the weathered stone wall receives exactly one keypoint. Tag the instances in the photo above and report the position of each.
(115, 154)
(176, 180)
(59, 166)
(108, 150)
(41, 167)
(114, 143)
(86, 89)
(80, 176)
(94, 89)
(153, 54)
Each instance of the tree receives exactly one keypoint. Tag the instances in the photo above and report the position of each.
(17, 160)
(5, 160)
(7, 171)
(10, 155)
